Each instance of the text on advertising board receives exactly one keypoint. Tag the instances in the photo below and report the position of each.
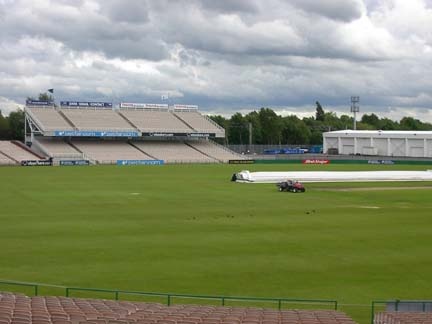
(96, 134)
(142, 105)
(140, 162)
(95, 104)
(316, 161)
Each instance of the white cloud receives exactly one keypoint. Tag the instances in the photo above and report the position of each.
(225, 56)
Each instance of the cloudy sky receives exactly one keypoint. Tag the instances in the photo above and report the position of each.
(223, 55)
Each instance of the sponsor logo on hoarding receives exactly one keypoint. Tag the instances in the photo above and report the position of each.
(161, 134)
(194, 107)
(140, 162)
(96, 104)
(36, 163)
(142, 105)
(39, 103)
(381, 162)
(241, 161)
(316, 161)
(96, 134)
(74, 162)
(200, 135)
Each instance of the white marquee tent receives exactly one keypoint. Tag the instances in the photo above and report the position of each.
(382, 143)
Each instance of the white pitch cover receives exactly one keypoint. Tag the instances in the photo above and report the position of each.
(333, 176)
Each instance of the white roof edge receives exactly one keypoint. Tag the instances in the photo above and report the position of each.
(381, 132)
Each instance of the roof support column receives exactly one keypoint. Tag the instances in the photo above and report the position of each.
(389, 153)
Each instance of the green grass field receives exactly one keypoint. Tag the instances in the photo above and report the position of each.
(188, 229)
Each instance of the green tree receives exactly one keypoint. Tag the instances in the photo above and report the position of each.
(319, 115)
(271, 126)
(16, 124)
(388, 124)
(4, 128)
(372, 119)
(253, 118)
(409, 123)
(237, 130)
(46, 97)
(295, 131)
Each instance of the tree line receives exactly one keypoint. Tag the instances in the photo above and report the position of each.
(267, 126)
(270, 128)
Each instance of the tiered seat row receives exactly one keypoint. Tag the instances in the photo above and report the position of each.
(48, 118)
(216, 151)
(403, 318)
(4, 160)
(56, 148)
(95, 120)
(108, 152)
(151, 121)
(15, 152)
(20, 309)
(199, 122)
(174, 152)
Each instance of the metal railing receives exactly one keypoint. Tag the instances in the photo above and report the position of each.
(397, 303)
(22, 284)
(170, 296)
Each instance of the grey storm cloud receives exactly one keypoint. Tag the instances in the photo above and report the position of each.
(343, 10)
(222, 55)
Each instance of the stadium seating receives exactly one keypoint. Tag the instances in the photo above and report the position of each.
(403, 318)
(216, 151)
(108, 152)
(4, 160)
(15, 152)
(20, 309)
(173, 152)
(153, 121)
(48, 119)
(97, 120)
(56, 148)
(199, 122)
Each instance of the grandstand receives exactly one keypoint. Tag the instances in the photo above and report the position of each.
(95, 131)
(153, 119)
(56, 148)
(109, 151)
(4, 160)
(403, 318)
(97, 120)
(200, 123)
(214, 150)
(47, 118)
(173, 152)
(13, 153)
(20, 309)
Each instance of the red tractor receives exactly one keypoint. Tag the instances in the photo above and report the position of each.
(291, 186)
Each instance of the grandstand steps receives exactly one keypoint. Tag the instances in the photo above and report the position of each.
(26, 148)
(142, 151)
(179, 118)
(75, 147)
(9, 157)
(83, 155)
(66, 118)
(203, 153)
(127, 120)
(5, 158)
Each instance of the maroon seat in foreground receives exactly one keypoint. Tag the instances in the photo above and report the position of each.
(21, 309)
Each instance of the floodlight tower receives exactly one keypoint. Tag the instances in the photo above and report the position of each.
(355, 108)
